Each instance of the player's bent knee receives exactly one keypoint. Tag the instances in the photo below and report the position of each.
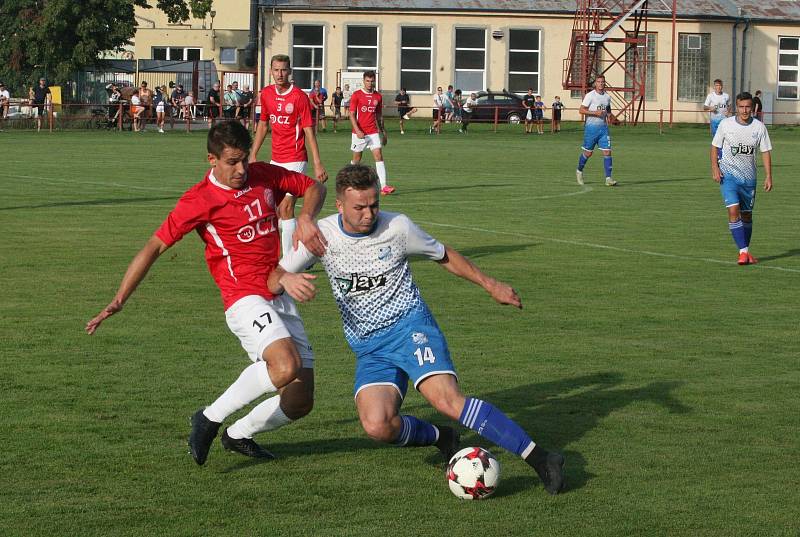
(379, 430)
(283, 361)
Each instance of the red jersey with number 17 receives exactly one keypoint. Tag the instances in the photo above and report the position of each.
(239, 227)
(366, 106)
(289, 113)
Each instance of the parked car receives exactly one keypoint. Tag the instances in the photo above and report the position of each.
(509, 107)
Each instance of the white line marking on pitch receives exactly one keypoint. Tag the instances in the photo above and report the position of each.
(605, 247)
(584, 190)
(93, 183)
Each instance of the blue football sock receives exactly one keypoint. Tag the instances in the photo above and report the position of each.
(737, 230)
(607, 165)
(582, 161)
(492, 424)
(748, 231)
(415, 432)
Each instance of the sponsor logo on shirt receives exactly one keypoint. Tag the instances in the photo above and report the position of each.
(258, 229)
(384, 253)
(419, 338)
(283, 120)
(357, 283)
(289, 108)
(743, 149)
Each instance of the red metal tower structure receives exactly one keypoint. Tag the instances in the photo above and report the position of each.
(609, 38)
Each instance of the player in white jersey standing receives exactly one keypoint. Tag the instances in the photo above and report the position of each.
(392, 331)
(288, 111)
(718, 103)
(596, 108)
(733, 166)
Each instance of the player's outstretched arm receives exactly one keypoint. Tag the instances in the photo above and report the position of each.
(311, 142)
(462, 267)
(136, 272)
(766, 156)
(258, 140)
(299, 286)
(307, 231)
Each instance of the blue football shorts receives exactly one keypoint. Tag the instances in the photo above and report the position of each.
(414, 349)
(715, 124)
(741, 193)
(596, 136)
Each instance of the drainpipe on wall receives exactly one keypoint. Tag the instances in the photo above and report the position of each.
(733, 54)
(744, 53)
(251, 52)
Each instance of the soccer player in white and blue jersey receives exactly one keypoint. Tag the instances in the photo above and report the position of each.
(596, 108)
(718, 103)
(391, 330)
(737, 138)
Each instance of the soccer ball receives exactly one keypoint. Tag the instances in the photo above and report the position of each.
(473, 474)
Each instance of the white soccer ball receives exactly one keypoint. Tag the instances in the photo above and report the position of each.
(473, 474)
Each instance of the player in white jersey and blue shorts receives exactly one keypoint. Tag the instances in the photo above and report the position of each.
(733, 166)
(718, 103)
(596, 108)
(391, 330)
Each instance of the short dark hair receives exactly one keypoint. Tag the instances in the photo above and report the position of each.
(717, 81)
(744, 96)
(228, 134)
(280, 58)
(369, 74)
(357, 177)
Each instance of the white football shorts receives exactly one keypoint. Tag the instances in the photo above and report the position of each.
(257, 322)
(299, 167)
(371, 141)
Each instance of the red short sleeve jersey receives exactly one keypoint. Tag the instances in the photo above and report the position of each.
(289, 113)
(239, 227)
(366, 106)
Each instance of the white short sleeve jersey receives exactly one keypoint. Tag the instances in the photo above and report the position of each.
(596, 101)
(369, 274)
(739, 143)
(720, 104)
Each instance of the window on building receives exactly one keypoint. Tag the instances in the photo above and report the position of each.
(647, 54)
(789, 68)
(362, 48)
(227, 55)
(523, 60)
(694, 66)
(176, 53)
(470, 59)
(308, 44)
(583, 53)
(416, 53)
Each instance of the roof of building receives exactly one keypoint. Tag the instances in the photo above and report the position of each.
(787, 11)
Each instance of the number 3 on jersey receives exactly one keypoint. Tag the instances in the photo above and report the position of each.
(424, 355)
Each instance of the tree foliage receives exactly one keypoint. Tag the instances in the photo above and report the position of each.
(55, 38)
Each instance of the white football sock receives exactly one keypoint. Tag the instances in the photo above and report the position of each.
(267, 416)
(380, 167)
(287, 230)
(251, 384)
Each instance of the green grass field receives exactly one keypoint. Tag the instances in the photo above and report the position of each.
(667, 374)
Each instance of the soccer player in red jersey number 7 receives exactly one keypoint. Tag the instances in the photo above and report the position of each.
(366, 116)
(233, 211)
(288, 110)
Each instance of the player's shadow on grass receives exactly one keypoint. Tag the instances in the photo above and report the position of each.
(559, 413)
(85, 203)
(626, 182)
(789, 253)
(487, 250)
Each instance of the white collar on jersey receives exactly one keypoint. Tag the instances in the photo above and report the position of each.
(291, 87)
(217, 183)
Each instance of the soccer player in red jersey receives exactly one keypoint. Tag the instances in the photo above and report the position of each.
(366, 116)
(233, 211)
(289, 110)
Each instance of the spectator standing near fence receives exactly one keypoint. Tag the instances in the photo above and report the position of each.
(439, 101)
(404, 109)
(5, 98)
(230, 102)
(189, 103)
(336, 105)
(42, 99)
(238, 94)
(538, 114)
(527, 102)
(246, 106)
(160, 103)
(318, 101)
(466, 111)
(448, 104)
(758, 107)
(555, 121)
(146, 98)
(214, 101)
(346, 95)
(136, 109)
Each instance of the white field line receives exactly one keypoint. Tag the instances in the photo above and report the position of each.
(604, 246)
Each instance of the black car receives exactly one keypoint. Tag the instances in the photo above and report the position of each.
(509, 107)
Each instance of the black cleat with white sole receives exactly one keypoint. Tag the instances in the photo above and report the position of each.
(203, 433)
